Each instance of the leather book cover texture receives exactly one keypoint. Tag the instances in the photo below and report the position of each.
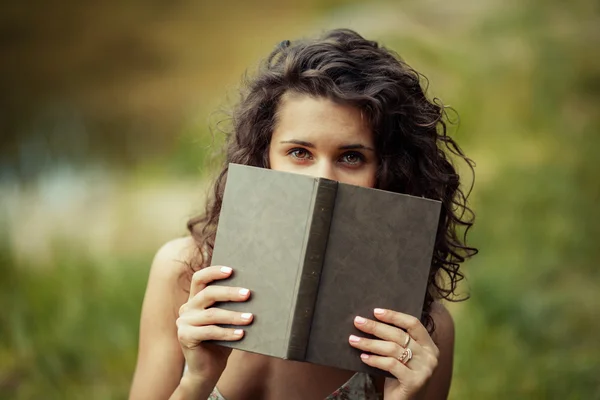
(315, 253)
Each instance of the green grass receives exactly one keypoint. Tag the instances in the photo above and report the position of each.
(69, 328)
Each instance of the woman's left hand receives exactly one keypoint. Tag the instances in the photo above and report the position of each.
(405, 350)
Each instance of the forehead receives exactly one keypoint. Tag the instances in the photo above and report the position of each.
(318, 117)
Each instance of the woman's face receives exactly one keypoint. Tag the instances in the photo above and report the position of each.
(317, 137)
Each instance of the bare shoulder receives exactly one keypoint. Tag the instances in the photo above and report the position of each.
(167, 283)
(172, 262)
(173, 257)
(443, 336)
(444, 327)
(171, 272)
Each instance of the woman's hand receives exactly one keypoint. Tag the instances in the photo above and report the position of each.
(197, 323)
(406, 351)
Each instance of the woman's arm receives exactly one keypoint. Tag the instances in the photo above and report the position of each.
(160, 359)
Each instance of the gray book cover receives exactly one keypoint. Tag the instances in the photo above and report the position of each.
(316, 253)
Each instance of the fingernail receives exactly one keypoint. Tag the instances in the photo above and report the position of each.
(246, 315)
(238, 332)
(360, 320)
(244, 292)
(354, 339)
(364, 356)
(226, 270)
(379, 311)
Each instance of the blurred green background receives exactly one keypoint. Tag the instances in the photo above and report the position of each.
(105, 152)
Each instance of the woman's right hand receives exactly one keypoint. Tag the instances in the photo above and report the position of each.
(198, 321)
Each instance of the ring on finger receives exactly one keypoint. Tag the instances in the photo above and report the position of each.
(407, 341)
(406, 356)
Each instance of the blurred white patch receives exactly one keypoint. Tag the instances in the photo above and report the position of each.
(94, 212)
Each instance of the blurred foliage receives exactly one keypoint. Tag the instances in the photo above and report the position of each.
(68, 329)
(525, 80)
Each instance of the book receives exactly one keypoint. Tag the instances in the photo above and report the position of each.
(315, 253)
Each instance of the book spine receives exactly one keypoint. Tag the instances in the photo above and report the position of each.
(307, 284)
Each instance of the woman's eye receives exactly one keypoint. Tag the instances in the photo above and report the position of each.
(352, 158)
(300, 154)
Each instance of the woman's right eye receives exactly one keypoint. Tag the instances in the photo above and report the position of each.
(299, 153)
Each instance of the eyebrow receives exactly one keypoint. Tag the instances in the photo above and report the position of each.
(354, 146)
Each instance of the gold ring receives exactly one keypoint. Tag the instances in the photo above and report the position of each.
(406, 356)
(407, 341)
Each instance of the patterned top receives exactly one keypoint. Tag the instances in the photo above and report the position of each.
(359, 387)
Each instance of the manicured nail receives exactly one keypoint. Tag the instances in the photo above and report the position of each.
(246, 315)
(226, 270)
(379, 311)
(360, 320)
(354, 339)
(238, 332)
(244, 292)
(364, 356)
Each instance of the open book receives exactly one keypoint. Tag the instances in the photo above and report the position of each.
(316, 253)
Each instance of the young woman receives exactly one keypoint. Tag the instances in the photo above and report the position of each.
(343, 108)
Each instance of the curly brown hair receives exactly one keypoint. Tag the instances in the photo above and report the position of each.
(411, 142)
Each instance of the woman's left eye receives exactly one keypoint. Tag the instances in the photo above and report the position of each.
(352, 158)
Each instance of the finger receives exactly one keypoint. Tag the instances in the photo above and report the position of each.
(379, 347)
(206, 275)
(212, 294)
(425, 362)
(412, 325)
(214, 316)
(390, 364)
(385, 332)
(191, 336)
